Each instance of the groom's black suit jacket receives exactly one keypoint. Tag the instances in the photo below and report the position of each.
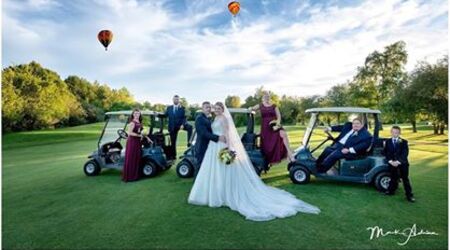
(204, 135)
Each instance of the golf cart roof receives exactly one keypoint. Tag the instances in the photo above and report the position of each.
(344, 110)
(240, 110)
(128, 112)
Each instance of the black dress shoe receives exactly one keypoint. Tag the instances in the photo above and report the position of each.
(388, 193)
(411, 199)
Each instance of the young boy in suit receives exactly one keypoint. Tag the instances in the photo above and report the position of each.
(396, 151)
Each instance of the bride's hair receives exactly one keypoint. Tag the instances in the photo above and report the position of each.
(220, 104)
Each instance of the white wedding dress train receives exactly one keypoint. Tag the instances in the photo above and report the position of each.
(237, 185)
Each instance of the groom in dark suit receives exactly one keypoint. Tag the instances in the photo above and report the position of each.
(353, 140)
(204, 134)
(177, 121)
(396, 151)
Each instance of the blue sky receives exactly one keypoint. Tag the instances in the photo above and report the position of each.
(196, 49)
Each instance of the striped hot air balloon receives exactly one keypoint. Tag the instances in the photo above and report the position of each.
(105, 37)
(234, 7)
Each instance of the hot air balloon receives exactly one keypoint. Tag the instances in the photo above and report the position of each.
(234, 7)
(105, 37)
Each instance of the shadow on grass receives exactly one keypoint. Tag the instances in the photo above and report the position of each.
(283, 180)
(118, 173)
(15, 141)
(427, 136)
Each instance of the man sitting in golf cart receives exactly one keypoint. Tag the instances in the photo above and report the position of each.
(353, 140)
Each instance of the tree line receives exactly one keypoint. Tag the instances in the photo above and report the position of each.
(380, 83)
(34, 97)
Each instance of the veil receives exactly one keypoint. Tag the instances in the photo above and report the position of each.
(239, 187)
(234, 140)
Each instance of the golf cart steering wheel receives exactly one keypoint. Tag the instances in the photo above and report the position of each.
(330, 136)
(122, 134)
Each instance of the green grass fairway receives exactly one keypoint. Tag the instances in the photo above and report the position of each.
(48, 203)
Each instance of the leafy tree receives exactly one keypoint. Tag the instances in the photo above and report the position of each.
(257, 98)
(35, 97)
(384, 71)
(159, 107)
(233, 101)
(400, 108)
(362, 91)
(307, 103)
(104, 96)
(116, 106)
(430, 81)
(81, 88)
(147, 105)
(122, 95)
(12, 104)
(93, 113)
(337, 96)
(44, 99)
(290, 108)
(184, 102)
(191, 111)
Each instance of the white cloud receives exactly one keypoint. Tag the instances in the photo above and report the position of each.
(158, 51)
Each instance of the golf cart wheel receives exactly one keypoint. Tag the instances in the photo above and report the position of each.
(149, 169)
(185, 169)
(91, 168)
(299, 175)
(382, 181)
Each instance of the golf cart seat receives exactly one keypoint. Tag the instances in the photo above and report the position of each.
(250, 141)
(359, 157)
(365, 154)
(158, 139)
(375, 143)
(111, 151)
(111, 147)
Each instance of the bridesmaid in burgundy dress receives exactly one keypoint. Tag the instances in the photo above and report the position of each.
(133, 149)
(274, 142)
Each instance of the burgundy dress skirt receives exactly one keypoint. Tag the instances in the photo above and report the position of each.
(272, 144)
(132, 156)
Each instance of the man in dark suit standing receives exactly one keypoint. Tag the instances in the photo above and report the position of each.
(177, 121)
(396, 151)
(204, 134)
(353, 140)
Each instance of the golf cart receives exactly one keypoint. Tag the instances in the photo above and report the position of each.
(370, 167)
(110, 151)
(186, 167)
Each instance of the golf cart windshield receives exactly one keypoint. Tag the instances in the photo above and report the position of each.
(157, 124)
(113, 124)
(309, 129)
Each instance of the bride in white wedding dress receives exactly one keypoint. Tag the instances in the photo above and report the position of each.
(237, 185)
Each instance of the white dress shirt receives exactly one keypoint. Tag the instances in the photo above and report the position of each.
(175, 108)
(394, 140)
(345, 138)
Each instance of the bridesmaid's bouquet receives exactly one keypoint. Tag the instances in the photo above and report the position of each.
(275, 126)
(227, 156)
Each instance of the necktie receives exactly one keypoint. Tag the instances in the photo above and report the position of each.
(175, 109)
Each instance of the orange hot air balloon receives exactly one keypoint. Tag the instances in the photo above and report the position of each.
(105, 37)
(234, 7)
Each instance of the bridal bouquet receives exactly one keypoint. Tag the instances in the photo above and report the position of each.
(227, 156)
(275, 126)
